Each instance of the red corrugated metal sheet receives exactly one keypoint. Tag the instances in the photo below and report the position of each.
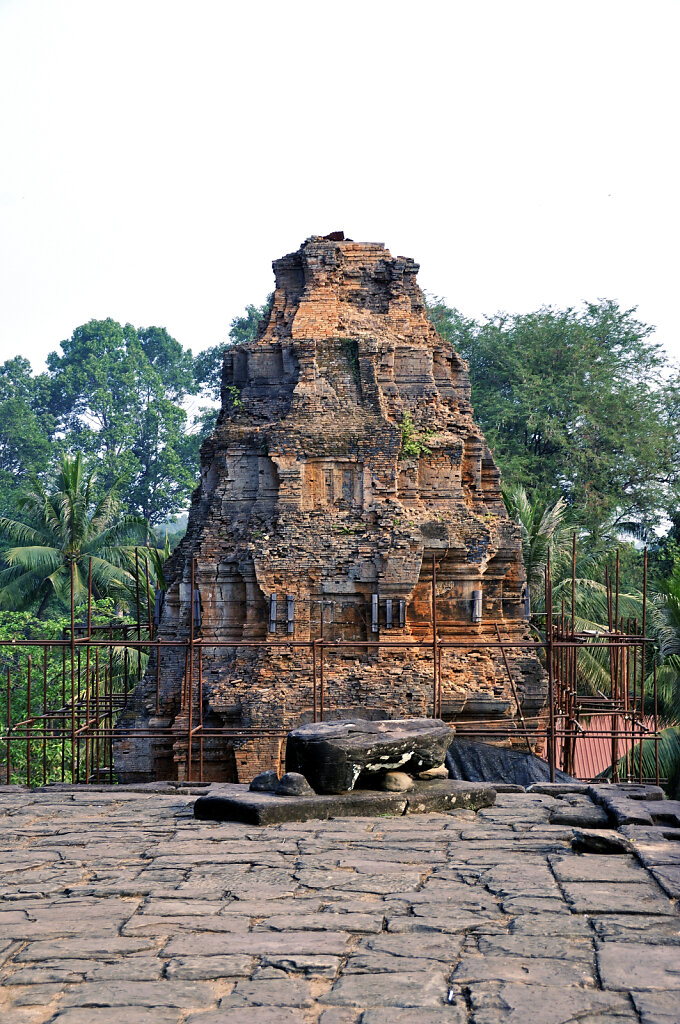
(593, 753)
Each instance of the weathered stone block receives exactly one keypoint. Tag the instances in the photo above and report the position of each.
(333, 755)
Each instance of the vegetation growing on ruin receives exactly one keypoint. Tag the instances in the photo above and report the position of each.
(350, 347)
(412, 443)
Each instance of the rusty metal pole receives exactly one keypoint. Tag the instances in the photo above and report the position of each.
(314, 682)
(148, 599)
(439, 677)
(612, 676)
(97, 753)
(28, 723)
(200, 709)
(321, 667)
(73, 671)
(44, 721)
(139, 634)
(549, 658)
(434, 637)
(62, 717)
(158, 679)
(191, 667)
(573, 583)
(87, 671)
(9, 723)
(642, 660)
(656, 727)
(89, 601)
(514, 692)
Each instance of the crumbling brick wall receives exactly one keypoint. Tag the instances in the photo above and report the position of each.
(304, 495)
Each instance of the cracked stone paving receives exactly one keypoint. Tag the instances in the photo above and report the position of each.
(118, 907)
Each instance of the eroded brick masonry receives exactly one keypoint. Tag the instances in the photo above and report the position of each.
(305, 494)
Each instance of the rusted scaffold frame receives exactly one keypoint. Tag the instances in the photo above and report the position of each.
(81, 726)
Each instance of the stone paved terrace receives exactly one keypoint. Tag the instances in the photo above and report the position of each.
(120, 908)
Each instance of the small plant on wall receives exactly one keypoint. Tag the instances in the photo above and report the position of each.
(412, 444)
(233, 395)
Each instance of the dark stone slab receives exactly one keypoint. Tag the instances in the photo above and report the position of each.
(636, 805)
(472, 761)
(558, 788)
(232, 802)
(332, 755)
(577, 809)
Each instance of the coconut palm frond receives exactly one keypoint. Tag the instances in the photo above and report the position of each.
(669, 760)
(120, 534)
(22, 533)
(106, 511)
(108, 576)
(593, 671)
(62, 533)
(41, 560)
(18, 592)
(668, 691)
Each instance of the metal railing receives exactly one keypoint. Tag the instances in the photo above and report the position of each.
(62, 698)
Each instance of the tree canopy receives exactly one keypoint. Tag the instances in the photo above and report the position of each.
(577, 403)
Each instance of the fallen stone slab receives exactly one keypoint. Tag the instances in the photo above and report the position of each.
(652, 929)
(404, 989)
(668, 878)
(512, 1002)
(133, 1015)
(235, 802)
(617, 898)
(332, 755)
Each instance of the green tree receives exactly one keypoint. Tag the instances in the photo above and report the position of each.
(117, 396)
(576, 403)
(26, 427)
(63, 530)
(244, 328)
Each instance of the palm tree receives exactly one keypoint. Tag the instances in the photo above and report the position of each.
(543, 528)
(64, 531)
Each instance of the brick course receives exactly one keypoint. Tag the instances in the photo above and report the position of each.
(303, 493)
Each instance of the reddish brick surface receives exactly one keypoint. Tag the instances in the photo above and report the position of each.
(304, 493)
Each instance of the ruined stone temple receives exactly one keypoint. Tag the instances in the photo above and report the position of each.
(308, 505)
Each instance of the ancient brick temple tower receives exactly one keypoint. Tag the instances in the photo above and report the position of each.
(307, 501)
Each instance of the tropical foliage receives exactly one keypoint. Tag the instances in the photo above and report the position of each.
(65, 533)
(578, 403)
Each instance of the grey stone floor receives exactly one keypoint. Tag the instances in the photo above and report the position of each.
(120, 908)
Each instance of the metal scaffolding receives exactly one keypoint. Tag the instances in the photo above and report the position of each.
(63, 697)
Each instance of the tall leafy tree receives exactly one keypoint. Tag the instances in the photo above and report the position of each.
(244, 328)
(26, 426)
(576, 403)
(62, 530)
(117, 395)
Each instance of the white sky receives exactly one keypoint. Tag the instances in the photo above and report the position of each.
(156, 156)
